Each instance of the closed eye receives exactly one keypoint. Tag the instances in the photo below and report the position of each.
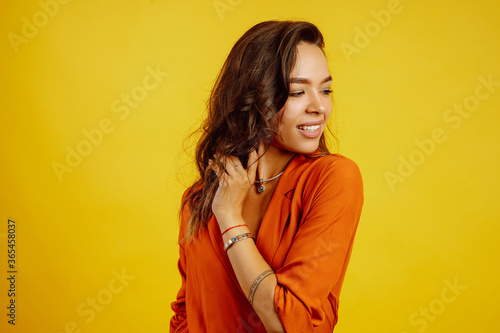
(296, 93)
(325, 92)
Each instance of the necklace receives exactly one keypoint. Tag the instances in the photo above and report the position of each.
(262, 181)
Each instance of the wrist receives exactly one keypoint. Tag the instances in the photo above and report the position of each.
(233, 227)
(226, 221)
(235, 232)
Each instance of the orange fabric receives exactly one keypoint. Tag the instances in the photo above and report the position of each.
(306, 237)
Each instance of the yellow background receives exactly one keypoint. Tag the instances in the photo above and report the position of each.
(117, 210)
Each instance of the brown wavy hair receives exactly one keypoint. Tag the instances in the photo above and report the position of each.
(251, 88)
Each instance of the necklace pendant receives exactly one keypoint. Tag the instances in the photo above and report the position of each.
(260, 189)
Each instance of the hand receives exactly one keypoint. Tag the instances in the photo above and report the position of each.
(234, 184)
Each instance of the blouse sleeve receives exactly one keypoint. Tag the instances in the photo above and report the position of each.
(316, 263)
(178, 323)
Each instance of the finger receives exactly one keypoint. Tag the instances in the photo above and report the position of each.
(231, 166)
(219, 160)
(215, 168)
(222, 164)
(236, 164)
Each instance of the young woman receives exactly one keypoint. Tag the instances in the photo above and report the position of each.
(267, 231)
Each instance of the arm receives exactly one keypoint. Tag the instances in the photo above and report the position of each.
(294, 297)
(316, 263)
(254, 275)
(256, 278)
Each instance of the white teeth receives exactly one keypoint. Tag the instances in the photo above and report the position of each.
(309, 128)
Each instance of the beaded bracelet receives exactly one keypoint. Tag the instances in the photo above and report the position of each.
(233, 240)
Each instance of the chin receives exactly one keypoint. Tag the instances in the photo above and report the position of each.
(299, 147)
(303, 149)
(309, 151)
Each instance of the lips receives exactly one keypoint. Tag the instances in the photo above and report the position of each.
(310, 129)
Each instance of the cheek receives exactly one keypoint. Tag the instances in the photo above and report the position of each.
(328, 114)
(287, 127)
(290, 116)
(285, 132)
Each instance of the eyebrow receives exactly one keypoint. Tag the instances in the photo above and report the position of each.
(307, 81)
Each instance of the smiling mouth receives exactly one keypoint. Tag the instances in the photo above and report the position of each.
(310, 129)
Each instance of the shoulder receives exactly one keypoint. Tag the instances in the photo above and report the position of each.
(328, 176)
(336, 162)
(332, 167)
(186, 203)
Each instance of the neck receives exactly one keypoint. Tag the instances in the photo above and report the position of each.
(273, 162)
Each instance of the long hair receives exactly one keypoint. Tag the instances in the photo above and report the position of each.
(251, 88)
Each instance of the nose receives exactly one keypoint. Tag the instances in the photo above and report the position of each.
(316, 103)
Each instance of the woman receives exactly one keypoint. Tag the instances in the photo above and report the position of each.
(267, 230)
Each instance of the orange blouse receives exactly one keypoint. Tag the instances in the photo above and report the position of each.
(306, 236)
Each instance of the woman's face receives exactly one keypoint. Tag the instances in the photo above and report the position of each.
(304, 115)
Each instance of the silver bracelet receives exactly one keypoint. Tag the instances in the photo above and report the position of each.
(233, 240)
